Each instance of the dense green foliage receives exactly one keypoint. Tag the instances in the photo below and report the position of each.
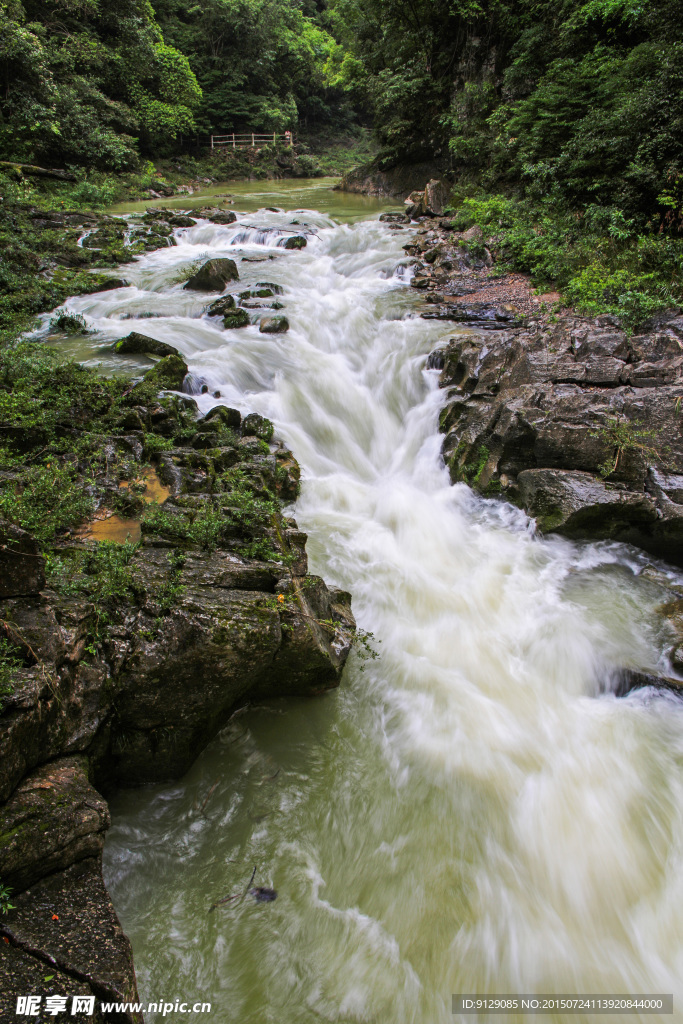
(560, 125)
(91, 83)
(261, 63)
(597, 257)
(82, 80)
(580, 100)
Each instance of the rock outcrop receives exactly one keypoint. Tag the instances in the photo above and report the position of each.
(274, 325)
(380, 177)
(576, 421)
(140, 344)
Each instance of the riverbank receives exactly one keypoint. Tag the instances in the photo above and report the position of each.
(152, 584)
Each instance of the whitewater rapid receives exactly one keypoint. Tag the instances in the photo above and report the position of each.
(474, 811)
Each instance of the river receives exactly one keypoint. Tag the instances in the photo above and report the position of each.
(474, 810)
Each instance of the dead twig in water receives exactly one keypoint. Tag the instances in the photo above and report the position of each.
(235, 896)
(208, 796)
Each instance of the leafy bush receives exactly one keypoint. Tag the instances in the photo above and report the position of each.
(203, 527)
(597, 258)
(5, 905)
(69, 323)
(47, 499)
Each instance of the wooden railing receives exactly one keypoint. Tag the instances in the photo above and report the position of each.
(248, 140)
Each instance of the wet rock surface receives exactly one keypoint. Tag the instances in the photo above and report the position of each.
(22, 565)
(577, 422)
(53, 819)
(571, 418)
(136, 343)
(274, 325)
(67, 921)
(213, 276)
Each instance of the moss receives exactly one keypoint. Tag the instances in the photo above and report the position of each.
(169, 372)
(492, 488)
(550, 520)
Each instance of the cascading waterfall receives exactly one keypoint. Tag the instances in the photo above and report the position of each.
(473, 811)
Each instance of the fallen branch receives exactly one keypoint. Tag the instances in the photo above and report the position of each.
(235, 896)
(39, 172)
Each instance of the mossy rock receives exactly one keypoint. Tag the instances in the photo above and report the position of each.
(169, 373)
(295, 242)
(213, 276)
(254, 425)
(223, 217)
(221, 306)
(274, 325)
(102, 283)
(236, 318)
(229, 417)
(140, 344)
(182, 221)
(258, 293)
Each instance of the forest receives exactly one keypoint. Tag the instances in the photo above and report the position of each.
(559, 124)
(584, 97)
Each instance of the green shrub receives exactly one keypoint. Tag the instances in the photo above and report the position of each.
(46, 499)
(69, 323)
(598, 259)
(203, 527)
(5, 905)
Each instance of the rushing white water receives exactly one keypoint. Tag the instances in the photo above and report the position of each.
(475, 811)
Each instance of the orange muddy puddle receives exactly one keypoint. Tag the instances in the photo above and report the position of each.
(117, 529)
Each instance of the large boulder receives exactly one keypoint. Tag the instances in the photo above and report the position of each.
(221, 306)
(213, 276)
(140, 344)
(178, 677)
(295, 242)
(67, 920)
(53, 819)
(169, 373)
(230, 418)
(581, 505)
(236, 318)
(274, 325)
(255, 425)
(223, 217)
(436, 197)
